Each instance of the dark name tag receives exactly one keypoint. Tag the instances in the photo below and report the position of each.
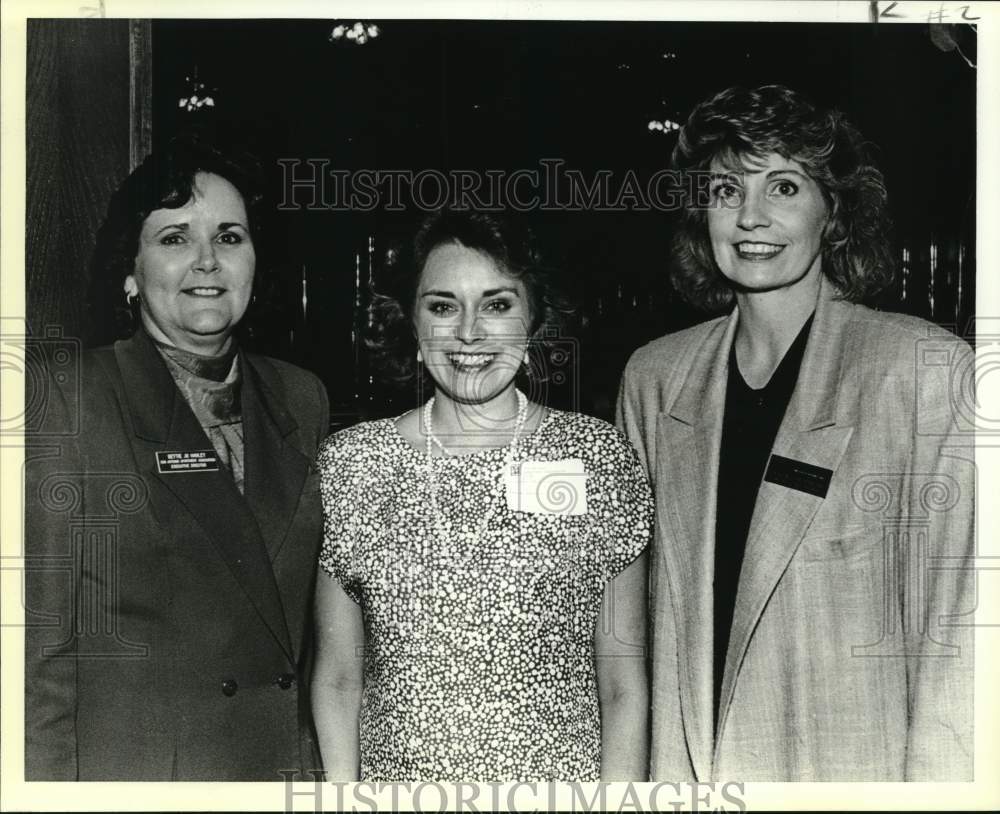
(201, 460)
(798, 475)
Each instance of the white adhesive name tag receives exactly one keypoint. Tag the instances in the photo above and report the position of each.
(547, 487)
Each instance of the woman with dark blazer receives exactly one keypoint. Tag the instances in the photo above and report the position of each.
(812, 586)
(173, 517)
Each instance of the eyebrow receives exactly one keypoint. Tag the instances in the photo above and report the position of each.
(185, 226)
(730, 174)
(490, 292)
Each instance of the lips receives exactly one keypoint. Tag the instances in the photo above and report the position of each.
(757, 250)
(204, 291)
(470, 361)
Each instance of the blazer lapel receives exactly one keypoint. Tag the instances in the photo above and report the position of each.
(274, 470)
(689, 435)
(811, 432)
(162, 418)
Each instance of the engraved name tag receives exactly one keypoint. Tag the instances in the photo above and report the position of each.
(201, 460)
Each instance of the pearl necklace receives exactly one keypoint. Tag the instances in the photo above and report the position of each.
(440, 524)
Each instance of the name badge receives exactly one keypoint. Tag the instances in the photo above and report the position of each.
(202, 460)
(798, 475)
(547, 487)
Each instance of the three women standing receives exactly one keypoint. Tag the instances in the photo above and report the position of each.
(480, 610)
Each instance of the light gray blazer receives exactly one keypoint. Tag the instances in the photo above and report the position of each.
(851, 652)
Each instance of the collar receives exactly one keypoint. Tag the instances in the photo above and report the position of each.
(819, 374)
(214, 368)
(157, 407)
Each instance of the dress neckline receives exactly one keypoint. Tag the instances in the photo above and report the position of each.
(472, 456)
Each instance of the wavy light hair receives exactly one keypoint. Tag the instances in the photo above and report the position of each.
(739, 127)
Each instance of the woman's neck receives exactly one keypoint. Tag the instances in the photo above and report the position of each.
(210, 345)
(460, 426)
(769, 321)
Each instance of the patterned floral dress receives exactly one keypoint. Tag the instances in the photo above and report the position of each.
(479, 642)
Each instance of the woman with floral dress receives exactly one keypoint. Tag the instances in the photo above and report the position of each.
(481, 602)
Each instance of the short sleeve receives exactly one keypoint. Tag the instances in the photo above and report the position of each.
(341, 466)
(620, 500)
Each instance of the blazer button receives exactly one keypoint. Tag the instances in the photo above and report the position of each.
(285, 680)
(229, 687)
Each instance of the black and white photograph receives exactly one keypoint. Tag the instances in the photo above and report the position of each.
(546, 406)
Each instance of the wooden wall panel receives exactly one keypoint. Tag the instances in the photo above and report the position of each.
(77, 151)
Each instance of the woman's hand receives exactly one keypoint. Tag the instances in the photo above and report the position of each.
(620, 648)
(338, 678)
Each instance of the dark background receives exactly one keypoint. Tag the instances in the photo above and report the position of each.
(502, 95)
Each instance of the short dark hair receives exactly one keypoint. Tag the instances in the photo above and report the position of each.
(507, 239)
(164, 180)
(739, 127)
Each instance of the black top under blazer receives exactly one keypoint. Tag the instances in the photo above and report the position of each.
(167, 615)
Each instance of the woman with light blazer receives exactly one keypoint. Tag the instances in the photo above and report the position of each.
(811, 585)
(172, 513)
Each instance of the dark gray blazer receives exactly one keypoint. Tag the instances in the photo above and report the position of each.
(167, 614)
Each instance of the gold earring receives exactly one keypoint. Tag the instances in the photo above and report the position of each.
(420, 357)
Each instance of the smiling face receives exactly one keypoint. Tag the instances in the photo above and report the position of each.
(472, 324)
(766, 225)
(194, 268)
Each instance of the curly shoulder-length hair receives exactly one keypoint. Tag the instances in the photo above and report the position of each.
(164, 180)
(739, 127)
(507, 240)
